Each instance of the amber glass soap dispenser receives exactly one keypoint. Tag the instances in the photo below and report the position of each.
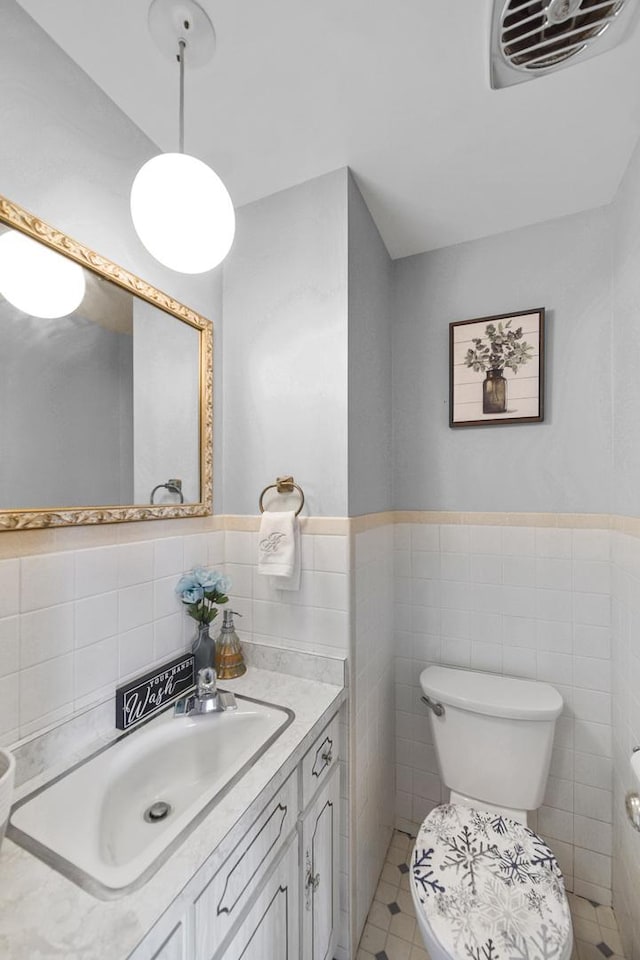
(229, 660)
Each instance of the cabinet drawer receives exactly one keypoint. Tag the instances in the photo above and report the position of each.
(234, 886)
(319, 760)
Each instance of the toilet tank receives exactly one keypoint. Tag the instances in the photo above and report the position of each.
(495, 736)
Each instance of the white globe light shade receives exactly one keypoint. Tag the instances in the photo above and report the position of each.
(37, 280)
(182, 212)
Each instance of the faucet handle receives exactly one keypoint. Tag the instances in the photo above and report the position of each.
(207, 683)
(227, 701)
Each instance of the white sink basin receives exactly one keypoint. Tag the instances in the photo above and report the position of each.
(89, 823)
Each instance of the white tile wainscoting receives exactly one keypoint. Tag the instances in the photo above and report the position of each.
(372, 705)
(75, 623)
(314, 617)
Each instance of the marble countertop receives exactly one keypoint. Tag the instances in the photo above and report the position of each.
(43, 915)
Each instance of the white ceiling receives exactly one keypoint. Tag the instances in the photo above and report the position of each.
(396, 89)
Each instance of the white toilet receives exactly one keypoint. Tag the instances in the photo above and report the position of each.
(485, 886)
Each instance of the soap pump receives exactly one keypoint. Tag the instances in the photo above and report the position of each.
(229, 659)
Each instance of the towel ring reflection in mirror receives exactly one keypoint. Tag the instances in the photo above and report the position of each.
(283, 485)
(173, 486)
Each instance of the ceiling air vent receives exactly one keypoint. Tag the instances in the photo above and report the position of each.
(534, 37)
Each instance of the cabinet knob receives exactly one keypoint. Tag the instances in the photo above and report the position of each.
(311, 883)
(327, 756)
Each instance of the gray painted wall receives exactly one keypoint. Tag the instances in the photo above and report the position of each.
(370, 288)
(285, 347)
(563, 464)
(69, 155)
(307, 354)
(626, 342)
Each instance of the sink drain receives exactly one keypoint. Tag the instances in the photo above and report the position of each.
(157, 811)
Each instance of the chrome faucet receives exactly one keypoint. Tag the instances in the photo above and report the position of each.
(207, 698)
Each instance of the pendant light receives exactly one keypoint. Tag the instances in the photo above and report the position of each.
(180, 208)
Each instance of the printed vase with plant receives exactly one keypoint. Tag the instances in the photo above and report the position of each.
(503, 349)
(201, 591)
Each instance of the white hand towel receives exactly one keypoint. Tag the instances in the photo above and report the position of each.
(279, 548)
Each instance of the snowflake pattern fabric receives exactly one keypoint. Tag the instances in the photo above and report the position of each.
(490, 887)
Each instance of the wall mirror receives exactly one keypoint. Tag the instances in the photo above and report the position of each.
(105, 388)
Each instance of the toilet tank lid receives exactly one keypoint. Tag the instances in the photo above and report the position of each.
(491, 694)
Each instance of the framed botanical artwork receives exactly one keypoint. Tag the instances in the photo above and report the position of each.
(496, 369)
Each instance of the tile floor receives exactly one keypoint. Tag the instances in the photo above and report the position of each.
(391, 932)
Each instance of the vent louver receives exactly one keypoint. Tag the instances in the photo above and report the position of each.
(533, 37)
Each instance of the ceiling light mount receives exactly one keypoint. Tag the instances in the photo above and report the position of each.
(173, 21)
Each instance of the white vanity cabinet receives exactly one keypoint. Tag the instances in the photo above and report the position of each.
(275, 895)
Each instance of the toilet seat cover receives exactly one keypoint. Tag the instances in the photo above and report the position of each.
(489, 886)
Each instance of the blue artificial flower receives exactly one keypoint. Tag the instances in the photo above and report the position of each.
(208, 579)
(186, 582)
(201, 589)
(192, 595)
(224, 585)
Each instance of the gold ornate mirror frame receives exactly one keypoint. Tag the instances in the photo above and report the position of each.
(15, 216)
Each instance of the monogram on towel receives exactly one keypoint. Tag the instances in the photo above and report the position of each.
(270, 544)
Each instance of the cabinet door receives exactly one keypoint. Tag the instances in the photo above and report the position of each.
(321, 872)
(233, 888)
(270, 931)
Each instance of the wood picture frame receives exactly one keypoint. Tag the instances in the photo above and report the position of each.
(496, 369)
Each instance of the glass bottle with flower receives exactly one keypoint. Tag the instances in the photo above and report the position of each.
(201, 591)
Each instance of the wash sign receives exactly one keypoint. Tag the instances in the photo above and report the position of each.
(144, 696)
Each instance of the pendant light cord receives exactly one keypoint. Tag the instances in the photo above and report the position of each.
(181, 50)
